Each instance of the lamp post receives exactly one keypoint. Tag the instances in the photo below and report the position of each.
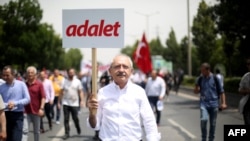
(189, 63)
(147, 20)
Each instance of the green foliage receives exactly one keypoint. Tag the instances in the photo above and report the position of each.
(72, 58)
(156, 48)
(233, 22)
(204, 33)
(232, 19)
(232, 84)
(173, 51)
(188, 81)
(24, 40)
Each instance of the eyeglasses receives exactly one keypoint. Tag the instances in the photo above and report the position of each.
(117, 67)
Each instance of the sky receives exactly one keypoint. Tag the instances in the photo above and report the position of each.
(154, 17)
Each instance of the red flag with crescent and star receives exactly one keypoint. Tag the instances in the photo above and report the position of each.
(142, 57)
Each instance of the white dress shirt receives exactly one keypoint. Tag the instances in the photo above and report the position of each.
(155, 87)
(121, 113)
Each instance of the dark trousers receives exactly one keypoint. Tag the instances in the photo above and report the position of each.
(153, 102)
(58, 111)
(74, 113)
(14, 125)
(246, 116)
(47, 110)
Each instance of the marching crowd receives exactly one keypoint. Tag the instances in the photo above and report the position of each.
(26, 100)
(123, 95)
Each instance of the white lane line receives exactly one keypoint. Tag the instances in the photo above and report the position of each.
(182, 128)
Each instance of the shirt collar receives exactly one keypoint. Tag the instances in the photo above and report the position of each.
(13, 83)
(118, 87)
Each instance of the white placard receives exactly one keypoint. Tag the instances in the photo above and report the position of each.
(93, 28)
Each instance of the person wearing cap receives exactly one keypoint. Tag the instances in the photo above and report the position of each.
(121, 108)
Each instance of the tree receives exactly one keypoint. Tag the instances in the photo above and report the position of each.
(21, 20)
(156, 48)
(204, 33)
(172, 52)
(72, 59)
(232, 18)
(24, 40)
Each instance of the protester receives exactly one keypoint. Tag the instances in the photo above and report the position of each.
(35, 109)
(57, 81)
(178, 78)
(3, 134)
(169, 82)
(86, 84)
(15, 96)
(50, 94)
(219, 76)
(208, 88)
(155, 90)
(244, 89)
(139, 78)
(72, 91)
(121, 107)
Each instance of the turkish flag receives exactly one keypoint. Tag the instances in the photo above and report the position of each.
(142, 57)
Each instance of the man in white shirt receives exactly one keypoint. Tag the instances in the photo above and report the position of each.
(72, 91)
(220, 76)
(155, 90)
(122, 107)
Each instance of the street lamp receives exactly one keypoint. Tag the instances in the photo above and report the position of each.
(189, 44)
(147, 20)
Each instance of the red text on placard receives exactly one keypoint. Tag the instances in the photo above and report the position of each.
(100, 29)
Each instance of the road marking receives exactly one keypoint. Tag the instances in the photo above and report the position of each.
(182, 129)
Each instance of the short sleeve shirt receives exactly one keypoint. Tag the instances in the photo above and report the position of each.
(71, 92)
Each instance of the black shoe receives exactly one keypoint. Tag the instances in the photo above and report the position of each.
(96, 138)
(66, 136)
(79, 131)
(42, 131)
(50, 126)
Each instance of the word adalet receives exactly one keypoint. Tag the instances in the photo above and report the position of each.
(86, 29)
